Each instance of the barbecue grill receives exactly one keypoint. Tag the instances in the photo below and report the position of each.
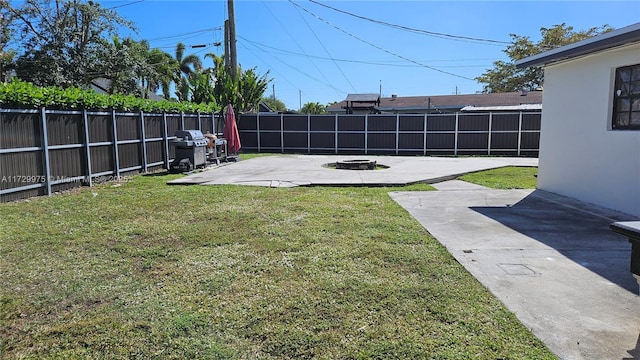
(191, 150)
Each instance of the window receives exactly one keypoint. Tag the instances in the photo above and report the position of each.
(626, 99)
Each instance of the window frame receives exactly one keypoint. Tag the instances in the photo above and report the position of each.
(617, 95)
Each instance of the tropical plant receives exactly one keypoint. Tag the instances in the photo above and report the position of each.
(504, 77)
(187, 65)
(251, 87)
(164, 67)
(313, 108)
(201, 87)
(225, 89)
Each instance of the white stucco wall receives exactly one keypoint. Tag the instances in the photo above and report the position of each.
(580, 156)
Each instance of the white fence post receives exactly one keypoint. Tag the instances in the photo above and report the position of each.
(424, 144)
(489, 134)
(165, 140)
(282, 133)
(258, 130)
(45, 150)
(308, 133)
(115, 144)
(366, 134)
(520, 133)
(336, 134)
(87, 146)
(397, 131)
(455, 142)
(143, 141)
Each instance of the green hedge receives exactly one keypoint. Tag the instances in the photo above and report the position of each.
(20, 94)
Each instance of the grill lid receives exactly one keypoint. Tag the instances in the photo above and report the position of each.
(189, 138)
(189, 134)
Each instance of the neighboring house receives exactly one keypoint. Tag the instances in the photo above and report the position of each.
(372, 103)
(590, 135)
(263, 107)
(360, 104)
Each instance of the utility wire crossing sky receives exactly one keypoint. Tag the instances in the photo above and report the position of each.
(320, 51)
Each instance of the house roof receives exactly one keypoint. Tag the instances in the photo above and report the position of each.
(523, 107)
(362, 97)
(622, 36)
(444, 102)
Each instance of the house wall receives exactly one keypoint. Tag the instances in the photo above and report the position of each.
(580, 156)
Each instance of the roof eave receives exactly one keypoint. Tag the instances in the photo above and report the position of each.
(627, 35)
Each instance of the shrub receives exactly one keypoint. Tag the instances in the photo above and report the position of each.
(21, 94)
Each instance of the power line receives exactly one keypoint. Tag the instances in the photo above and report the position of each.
(381, 48)
(328, 84)
(298, 45)
(327, 51)
(394, 63)
(406, 28)
(123, 5)
(167, 37)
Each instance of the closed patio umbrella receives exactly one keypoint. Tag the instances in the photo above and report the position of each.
(231, 131)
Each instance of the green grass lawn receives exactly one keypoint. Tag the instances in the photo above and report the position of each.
(510, 177)
(146, 270)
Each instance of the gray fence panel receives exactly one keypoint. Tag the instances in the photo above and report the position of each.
(44, 151)
(410, 134)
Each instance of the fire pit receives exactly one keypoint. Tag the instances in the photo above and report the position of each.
(356, 164)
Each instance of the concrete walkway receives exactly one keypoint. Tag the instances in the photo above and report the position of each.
(551, 260)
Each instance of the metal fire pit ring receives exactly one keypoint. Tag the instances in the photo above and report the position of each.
(359, 164)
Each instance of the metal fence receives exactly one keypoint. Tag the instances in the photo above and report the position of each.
(493, 133)
(44, 151)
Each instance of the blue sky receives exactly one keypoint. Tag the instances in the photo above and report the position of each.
(317, 54)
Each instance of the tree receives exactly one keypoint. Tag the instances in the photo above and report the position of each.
(119, 65)
(163, 65)
(62, 40)
(6, 30)
(251, 87)
(274, 103)
(504, 77)
(133, 68)
(225, 90)
(201, 87)
(187, 65)
(245, 93)
(313, 108)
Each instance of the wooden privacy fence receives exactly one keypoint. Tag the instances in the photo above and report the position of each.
(493, 133)
(44, 151)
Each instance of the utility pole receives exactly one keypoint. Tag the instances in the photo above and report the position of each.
(227, 58)
(300, 97)
(233, 55)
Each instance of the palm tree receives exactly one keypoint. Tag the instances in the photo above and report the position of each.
(186, 66)
(164, 68)
(313, 108)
